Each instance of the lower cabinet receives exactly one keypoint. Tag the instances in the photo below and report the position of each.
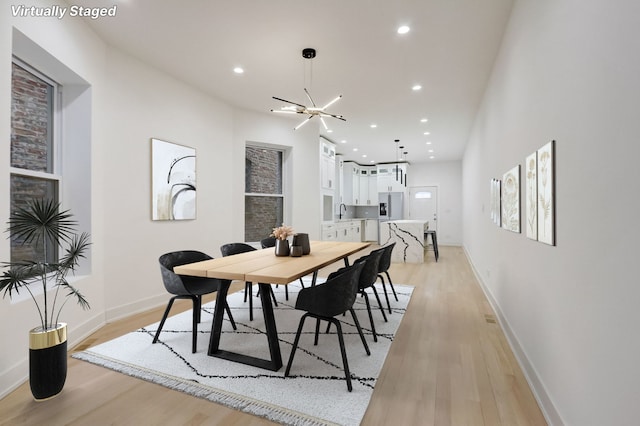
(350, 231)
(343, 231)
(370, 230)
(329, 232)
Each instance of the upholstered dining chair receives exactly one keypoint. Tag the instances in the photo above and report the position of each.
(383, 267)
(237, 248)
(271, 242)
(324, 302)
(187, 287)
(368, 278)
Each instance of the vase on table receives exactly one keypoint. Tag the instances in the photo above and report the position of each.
(303, 241)
(282, 247)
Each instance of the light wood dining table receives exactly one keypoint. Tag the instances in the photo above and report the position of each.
(265, 268)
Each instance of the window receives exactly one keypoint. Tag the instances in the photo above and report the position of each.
(422, 195)
(33, 154)
(55, 160)
(264, 197)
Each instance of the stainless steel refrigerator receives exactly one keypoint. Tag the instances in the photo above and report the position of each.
(390, 207)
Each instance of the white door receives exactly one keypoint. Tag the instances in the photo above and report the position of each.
(423, 205)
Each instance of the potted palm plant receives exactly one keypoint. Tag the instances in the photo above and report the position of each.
(43, 225)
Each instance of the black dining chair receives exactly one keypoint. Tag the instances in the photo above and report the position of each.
(368, 278)
(326, 301)
(237, 248)
(271, 242)
(383, 267)
(187, 287)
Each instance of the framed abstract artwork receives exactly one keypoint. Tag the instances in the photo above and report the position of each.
(546, 193)
(173, 181)
(531, 196)
(511, 200)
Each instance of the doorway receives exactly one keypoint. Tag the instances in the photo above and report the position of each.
(423, 205)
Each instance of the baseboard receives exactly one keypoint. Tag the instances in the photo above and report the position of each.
(537, 387)
(124, 311)
(13, 377)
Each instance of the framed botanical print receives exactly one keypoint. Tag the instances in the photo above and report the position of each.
(546, 193)
(531, 196)
(511, 200)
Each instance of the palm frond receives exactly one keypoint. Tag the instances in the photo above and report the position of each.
(78, 246)
(39, 223)
(41, 220)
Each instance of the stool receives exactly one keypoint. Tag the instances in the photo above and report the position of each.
(434, 241)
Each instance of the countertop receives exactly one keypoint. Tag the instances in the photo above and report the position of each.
(354, 218)
(421, 222)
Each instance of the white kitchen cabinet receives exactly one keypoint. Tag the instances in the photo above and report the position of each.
(355, 185)
(339, 180)
(351, 185)
(329, 232)
(350, 230)
(368, 191)
(363, 178)
(392, 180)
(370, 230)
(373, 186)
(327, 165)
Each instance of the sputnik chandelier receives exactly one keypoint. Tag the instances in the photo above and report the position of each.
(310, 111)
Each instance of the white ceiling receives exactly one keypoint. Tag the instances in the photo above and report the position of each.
(449, 51)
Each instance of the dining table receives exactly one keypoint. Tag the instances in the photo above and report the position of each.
(262, 266)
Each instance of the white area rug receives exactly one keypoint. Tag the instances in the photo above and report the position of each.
(314, 394)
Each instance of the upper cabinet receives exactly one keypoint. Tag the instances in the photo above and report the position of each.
(351, 183)
(327, 165)
(392, 177)
(360, 184)
(368, 194)
(339, 180)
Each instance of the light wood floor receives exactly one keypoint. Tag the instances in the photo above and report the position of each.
(450, 364)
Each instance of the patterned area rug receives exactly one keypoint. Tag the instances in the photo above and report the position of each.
(314, 394)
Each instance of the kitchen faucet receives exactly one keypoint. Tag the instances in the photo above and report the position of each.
(340, 209)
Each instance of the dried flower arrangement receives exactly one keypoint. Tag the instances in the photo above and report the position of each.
(282, 232)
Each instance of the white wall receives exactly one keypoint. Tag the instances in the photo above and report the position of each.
(568, 70)
(447, 176)
(132, 103)
(145, 103)
(302, 165)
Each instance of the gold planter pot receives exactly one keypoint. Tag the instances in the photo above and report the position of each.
(47, 361)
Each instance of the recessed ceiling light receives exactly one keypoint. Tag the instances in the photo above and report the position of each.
(428, 142)
(427, 133)
(373, 126)
(355, 149)
(238, 70)
(372, 161)
(343, 141)
(416, 87)
(329, 131)
(430, 150)
(432, 157)
(403, 29)
(424, 120)
(364, 155)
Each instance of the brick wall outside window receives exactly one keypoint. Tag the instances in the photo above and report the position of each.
(263, 175)
(31, 150)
